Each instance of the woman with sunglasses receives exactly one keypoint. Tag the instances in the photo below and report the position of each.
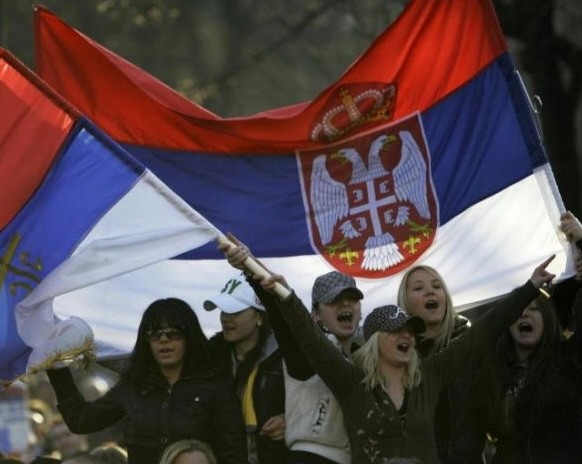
(169, 392)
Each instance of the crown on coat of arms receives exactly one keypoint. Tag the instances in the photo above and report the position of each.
(347, 109)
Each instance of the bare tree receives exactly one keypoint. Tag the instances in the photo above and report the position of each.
(554, 65)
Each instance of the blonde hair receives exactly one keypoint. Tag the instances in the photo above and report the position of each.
(367, 358)
(187, 446)
(448, 323)
(110, 453)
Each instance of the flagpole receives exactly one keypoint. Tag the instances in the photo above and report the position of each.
(256, 268)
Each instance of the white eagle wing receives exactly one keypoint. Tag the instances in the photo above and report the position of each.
(329, 199)
(375, 168)
(410, 175)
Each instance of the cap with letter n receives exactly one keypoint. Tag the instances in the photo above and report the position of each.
(236, 295)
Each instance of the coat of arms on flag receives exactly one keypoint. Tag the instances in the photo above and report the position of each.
(370, 203)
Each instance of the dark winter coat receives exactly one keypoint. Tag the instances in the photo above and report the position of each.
(462, 413)
(548, 428)
(200, 406)
(268, 389)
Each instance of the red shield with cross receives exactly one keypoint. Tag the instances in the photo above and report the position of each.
(370, 201)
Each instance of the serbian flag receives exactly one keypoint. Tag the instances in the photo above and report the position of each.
(76, 210)
(425, 151)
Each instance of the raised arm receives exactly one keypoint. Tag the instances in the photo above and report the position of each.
(571, 226)
(296, 363)
(83, 416)
(487, 329)
(508, 309)
(331, 365)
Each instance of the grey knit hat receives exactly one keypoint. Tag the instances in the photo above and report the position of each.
(391, 318)
(327, 287)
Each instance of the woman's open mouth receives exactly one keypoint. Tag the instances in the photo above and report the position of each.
(403, 347)
(525, 328)
(431, 304)
(345, 317)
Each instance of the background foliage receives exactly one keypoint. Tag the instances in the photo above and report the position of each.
(240, 57)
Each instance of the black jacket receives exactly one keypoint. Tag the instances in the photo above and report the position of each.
(199, 406)
(461, 416)
(268, 389)
(550, 430)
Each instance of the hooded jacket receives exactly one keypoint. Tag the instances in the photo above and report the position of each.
(268, 389)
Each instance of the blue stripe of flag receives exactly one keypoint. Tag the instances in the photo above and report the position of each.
(478, 146)
(86, 180)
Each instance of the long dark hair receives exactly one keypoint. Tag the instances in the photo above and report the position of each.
(544, 377)
(171, 312)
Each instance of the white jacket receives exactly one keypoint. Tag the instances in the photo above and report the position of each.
(315, 422)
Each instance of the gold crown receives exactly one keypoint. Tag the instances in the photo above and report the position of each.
(366, 107)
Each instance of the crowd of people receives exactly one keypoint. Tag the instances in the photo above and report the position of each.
(416, 382)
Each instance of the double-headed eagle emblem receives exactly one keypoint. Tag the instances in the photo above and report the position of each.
(336, 203)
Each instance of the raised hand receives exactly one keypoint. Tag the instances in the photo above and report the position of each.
(540, 275)
(240, 257)
(571, 226)
(235, 252)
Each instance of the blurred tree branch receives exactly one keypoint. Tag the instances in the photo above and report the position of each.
(554, 66)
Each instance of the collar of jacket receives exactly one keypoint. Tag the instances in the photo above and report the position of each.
(460, 326)
(157, 382)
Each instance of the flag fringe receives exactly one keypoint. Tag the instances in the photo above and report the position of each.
(79, 357)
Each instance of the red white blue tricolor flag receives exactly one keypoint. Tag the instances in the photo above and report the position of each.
(424, 151)
(76, 210)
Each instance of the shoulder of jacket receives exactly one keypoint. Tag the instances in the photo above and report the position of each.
(216, 340)
(270, 350)
(333, 340)
(460, 326)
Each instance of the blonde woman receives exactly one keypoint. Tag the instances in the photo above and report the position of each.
(424, 293)
(389, 395)
(462, 414)
(188, 452)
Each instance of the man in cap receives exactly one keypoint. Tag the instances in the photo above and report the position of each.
(315, 431)
(246, 351)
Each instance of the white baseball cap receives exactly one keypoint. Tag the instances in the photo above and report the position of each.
(235, 296)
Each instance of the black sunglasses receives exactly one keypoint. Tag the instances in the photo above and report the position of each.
(171, 333)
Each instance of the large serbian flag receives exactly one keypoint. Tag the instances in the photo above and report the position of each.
(76, 210)
(424, 151)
